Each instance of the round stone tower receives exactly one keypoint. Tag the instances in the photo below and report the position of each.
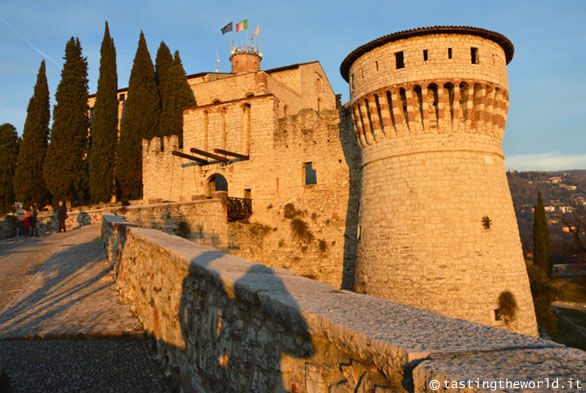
(245, 60)
(437, 225)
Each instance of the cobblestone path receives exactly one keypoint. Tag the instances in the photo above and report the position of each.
(66, 330)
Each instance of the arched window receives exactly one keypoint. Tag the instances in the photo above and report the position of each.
(216, 182)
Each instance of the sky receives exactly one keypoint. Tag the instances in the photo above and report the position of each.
(547, 76)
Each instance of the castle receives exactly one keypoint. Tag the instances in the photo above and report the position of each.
(402, 194)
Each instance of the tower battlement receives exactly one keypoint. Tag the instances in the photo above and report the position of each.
(437, 225)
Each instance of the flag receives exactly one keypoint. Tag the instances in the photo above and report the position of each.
(227, 28)
(242, 25)
(256, 32)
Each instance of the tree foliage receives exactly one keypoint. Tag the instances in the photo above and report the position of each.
(9, 142)
(104, 127)
(65, 169)
(543, 293)
(28, 180)
(176, 95)
(541, 242)
(140, 121)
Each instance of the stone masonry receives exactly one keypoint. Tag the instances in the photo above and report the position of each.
(424, 173)
(224, 324)
(437, 225)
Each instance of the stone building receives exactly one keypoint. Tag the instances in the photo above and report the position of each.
(275, 141)
(415, 156)
(437, 225)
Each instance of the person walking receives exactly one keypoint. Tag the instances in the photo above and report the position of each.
(61, 216)
(33, 219)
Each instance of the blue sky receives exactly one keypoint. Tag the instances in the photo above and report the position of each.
(547, 77)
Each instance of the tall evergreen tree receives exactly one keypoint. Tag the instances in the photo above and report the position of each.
(9, 142)
(141, 120)
(541, 242)
(28, 180)
(184, 96)
(164, 64)
(104, 125)
(176, 95)
(65, 169)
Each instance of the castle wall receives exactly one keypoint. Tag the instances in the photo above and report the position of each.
(273, 177)
(377, 67)
(309, 80)
(230, 88)
(437, 225)
(220, 323)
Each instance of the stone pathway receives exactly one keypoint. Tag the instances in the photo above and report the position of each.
(66, 330)
(72, 293)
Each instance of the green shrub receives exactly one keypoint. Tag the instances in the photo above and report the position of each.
(301, 231)
(507, 306)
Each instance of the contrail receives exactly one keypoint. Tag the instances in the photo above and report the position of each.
(27, 43)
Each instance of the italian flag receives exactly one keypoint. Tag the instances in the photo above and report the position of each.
(242, 25)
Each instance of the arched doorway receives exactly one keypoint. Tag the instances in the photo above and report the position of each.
(216, 182)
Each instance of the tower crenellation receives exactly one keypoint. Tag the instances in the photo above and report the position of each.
(437, 225)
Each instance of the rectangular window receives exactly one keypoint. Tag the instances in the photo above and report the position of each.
(449, 53)
(399, 61)
(376, 63)
(425, 55)
(474, 55)
(352, 80)
(310, 174)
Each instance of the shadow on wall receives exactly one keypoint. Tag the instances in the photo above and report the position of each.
(352, 155)
(230, 343)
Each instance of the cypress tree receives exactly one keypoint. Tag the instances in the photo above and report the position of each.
(541, 242)
(104, 125)
(141, 120)
(184, 96)
(9, 142)
(176, 95)
(28, 180)
(65, 169)
(164, 64)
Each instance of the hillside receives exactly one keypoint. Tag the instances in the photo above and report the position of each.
(564, 196)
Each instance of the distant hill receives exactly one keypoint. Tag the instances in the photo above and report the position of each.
(564, 196)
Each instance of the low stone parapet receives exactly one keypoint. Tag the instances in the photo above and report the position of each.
(222, 323)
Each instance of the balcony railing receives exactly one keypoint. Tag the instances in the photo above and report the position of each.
(239, 208)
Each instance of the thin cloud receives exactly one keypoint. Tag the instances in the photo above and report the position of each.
(550, 161)
(27, 43)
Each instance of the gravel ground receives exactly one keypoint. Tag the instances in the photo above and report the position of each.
(99, 365)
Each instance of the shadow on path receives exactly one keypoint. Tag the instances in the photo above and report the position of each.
(72, 292)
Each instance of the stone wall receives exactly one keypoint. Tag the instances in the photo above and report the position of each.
(204, 221)
(317, 237)
(223, 324)
(437, 224)
(8, 224)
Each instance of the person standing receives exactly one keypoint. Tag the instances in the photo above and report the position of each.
(61, 216)
(33, 213)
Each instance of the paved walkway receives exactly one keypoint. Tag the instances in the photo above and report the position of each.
(66, 330)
